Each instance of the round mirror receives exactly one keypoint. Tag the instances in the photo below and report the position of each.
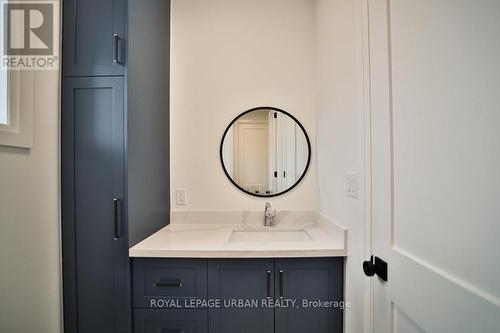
(265, 151)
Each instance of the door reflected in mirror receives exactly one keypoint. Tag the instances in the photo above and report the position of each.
(265, 151)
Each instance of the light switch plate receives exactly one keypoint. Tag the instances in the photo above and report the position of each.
(351, 184)
(180, 196)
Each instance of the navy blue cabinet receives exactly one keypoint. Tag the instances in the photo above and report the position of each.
(170, 321)
(309, 281)
(246, 280)
(115, 152)
(95, 267)
(285, 295)
(174, 279)
(94, 37)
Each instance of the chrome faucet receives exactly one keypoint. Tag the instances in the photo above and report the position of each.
(269, 216)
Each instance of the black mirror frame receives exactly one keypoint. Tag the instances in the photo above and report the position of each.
(308, 147)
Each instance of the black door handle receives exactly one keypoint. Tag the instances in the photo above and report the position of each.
(375, 266)
(369, 267)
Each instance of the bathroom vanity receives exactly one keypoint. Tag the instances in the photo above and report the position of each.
(132, 265)
(215, 273)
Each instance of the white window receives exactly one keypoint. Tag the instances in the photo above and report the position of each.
(4, 97)
(16, 100)
(16, 108)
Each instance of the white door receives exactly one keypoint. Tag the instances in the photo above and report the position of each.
(301, 152)
(289, 152)
(288, 148)
(281, 150)
(435, 105)
(272, 132)
(251, 156)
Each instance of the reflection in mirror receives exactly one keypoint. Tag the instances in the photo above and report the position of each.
(265, 151)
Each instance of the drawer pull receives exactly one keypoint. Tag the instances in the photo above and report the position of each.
(169, 284)
(163, 330)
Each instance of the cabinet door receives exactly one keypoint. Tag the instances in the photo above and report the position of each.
(246, 279)
(95, 251)
(170, 321)
(90, 46)
(309, 279)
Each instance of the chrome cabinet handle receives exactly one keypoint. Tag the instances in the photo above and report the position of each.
(116, 49)
(116, 218)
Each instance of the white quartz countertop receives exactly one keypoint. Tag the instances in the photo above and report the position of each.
(242, 235)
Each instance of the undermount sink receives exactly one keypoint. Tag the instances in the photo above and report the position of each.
(262, 236)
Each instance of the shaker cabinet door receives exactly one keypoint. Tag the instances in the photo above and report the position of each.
(309, 280)
(95, 250)
(246, 279)
(94, 37)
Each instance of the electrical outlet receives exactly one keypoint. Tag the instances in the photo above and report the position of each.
(351, 185)
(180, 196)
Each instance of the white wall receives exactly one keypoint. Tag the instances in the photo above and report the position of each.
(303, 56)
(29, 221)
(340, 142)
(229, 56)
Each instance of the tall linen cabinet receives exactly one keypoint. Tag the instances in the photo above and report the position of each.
(115, 152)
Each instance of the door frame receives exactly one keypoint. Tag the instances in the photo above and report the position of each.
(237, 131)
(367, 152)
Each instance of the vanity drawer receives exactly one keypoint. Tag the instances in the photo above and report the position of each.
(168, 279)
(170, 321)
